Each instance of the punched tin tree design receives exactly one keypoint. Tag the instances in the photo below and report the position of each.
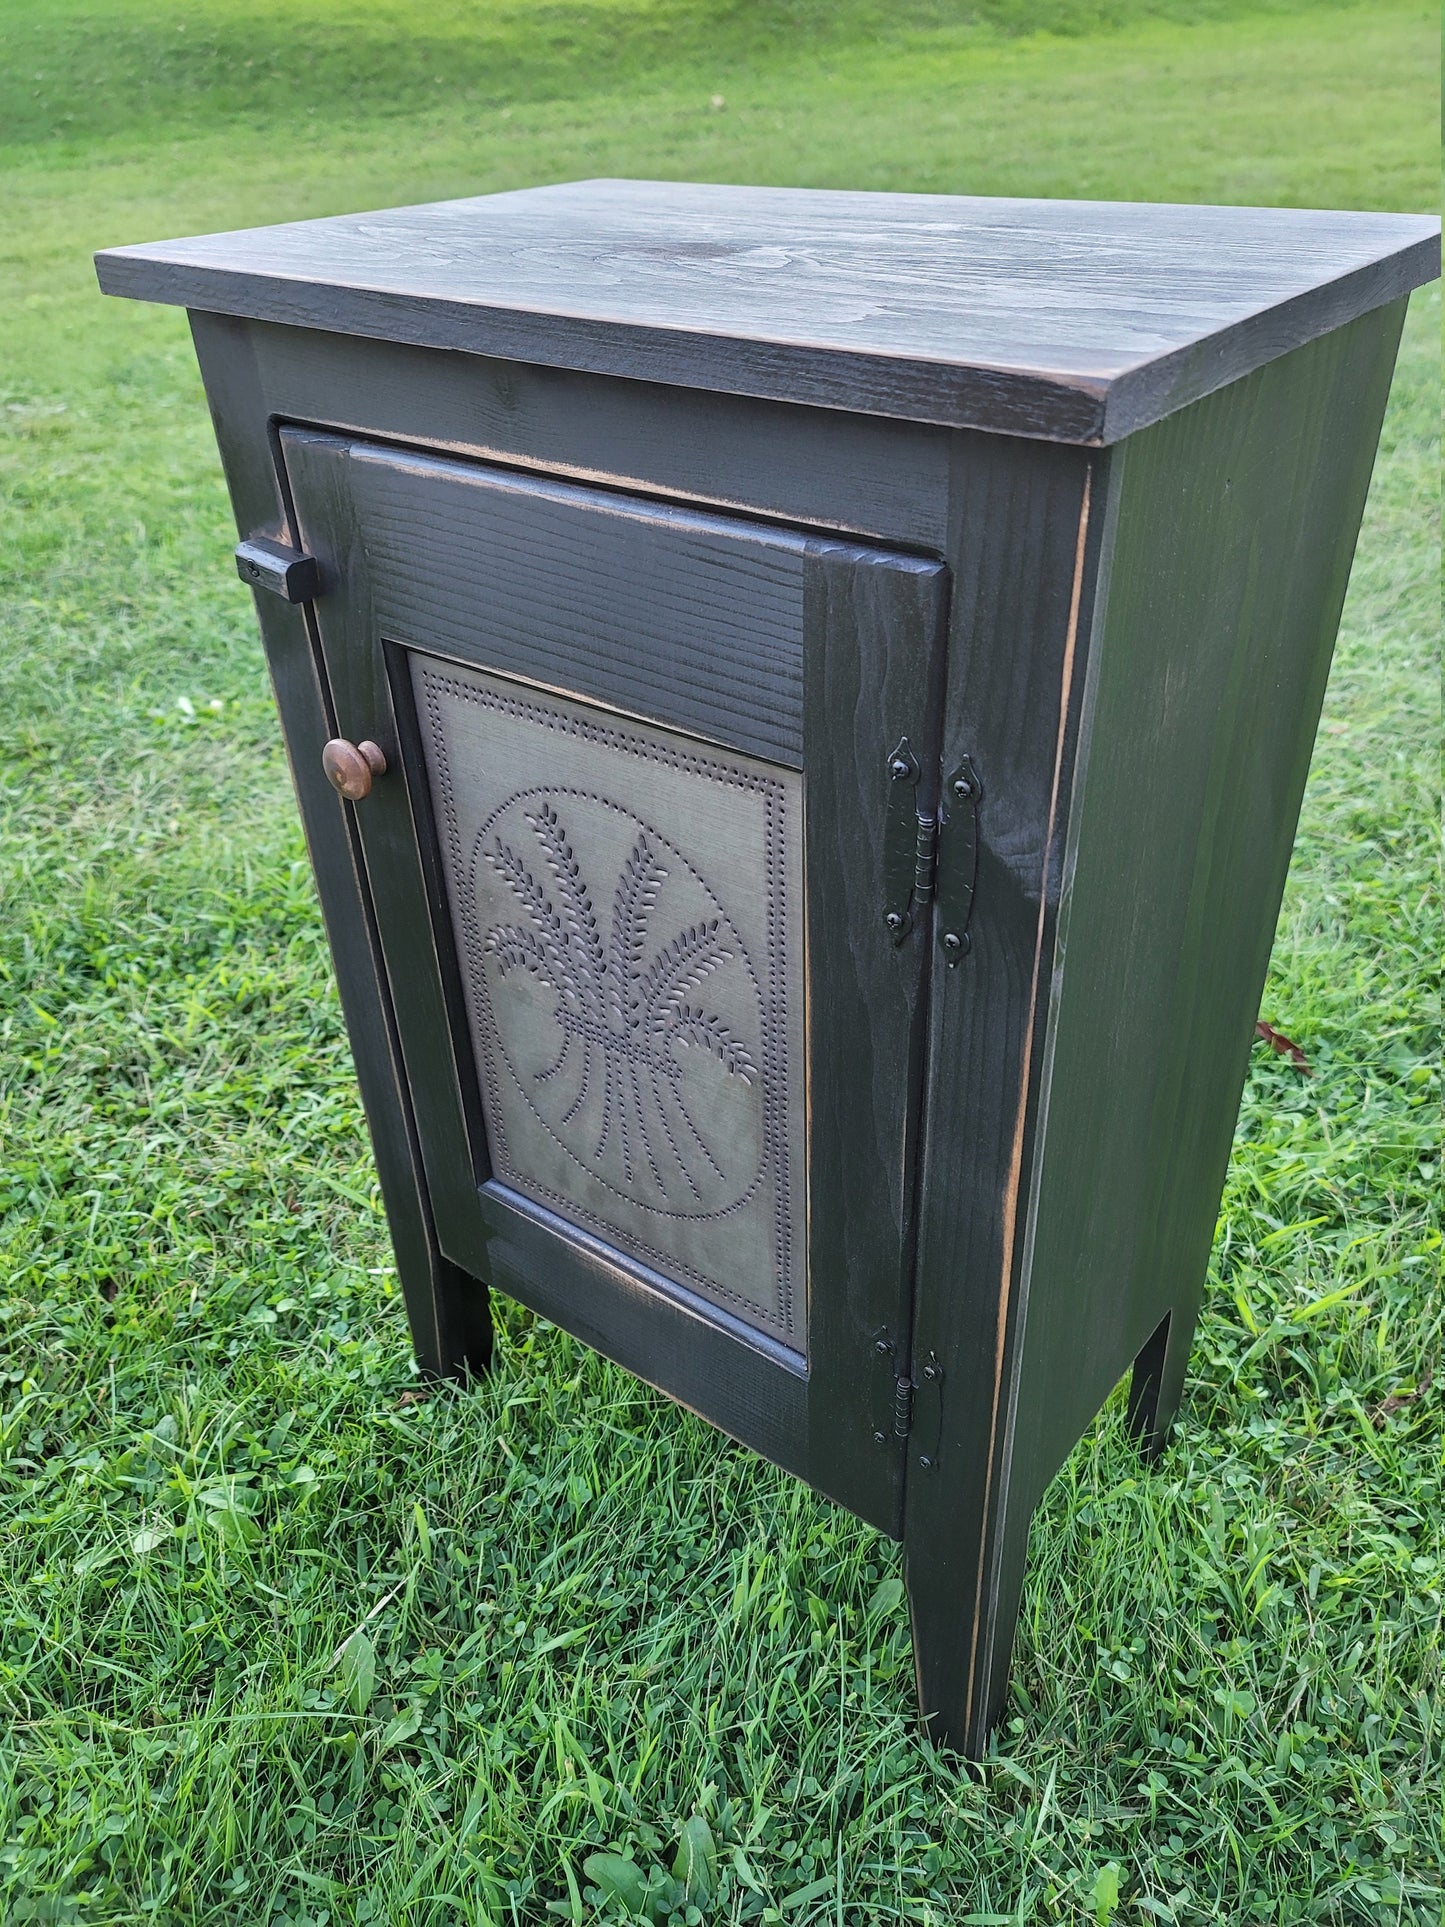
(625, 933)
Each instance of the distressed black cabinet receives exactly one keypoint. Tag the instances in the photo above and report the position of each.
(800, 703)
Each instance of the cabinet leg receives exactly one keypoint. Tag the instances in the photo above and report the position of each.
(1158, 1380)
(449, 1315)
(963, 1597)
(448, 1310)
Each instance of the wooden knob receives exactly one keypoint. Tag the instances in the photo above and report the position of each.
(350, 767)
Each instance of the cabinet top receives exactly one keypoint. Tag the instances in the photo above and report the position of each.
(1074, 321)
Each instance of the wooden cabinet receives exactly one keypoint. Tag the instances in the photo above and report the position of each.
(800, 704)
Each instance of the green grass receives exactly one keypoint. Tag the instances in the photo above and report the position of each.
(584, 1617)
(86, 69)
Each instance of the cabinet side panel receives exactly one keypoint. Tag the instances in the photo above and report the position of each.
(1236, 527)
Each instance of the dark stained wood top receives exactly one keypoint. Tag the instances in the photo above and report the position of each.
(1075, 321)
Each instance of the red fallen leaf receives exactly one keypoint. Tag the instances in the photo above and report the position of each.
(1286, 1046)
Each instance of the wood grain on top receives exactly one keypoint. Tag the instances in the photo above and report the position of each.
(1072, 320)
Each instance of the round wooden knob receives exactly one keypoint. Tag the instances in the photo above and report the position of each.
(350, 767)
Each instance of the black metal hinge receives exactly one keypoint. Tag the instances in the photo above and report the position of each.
(288, 573)
(892, 1424)
(903, 843)
(958, 866)
(930, 856)
(916, 1417)
(902, 1407)
(930, 1439)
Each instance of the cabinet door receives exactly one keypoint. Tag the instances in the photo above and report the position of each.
(627, 863)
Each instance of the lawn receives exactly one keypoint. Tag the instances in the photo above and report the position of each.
(573, 1617)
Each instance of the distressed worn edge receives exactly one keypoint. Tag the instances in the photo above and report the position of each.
(1089, 412)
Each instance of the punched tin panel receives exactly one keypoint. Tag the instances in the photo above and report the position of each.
(626, 906)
